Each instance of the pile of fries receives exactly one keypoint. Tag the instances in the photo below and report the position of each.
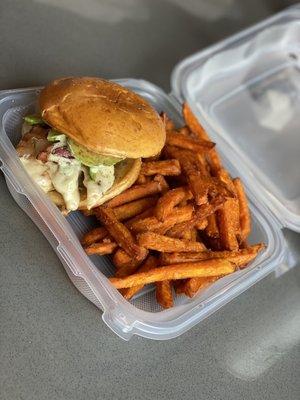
(182, 226)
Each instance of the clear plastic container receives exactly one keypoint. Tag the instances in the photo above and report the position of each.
(236, 73)
(246, 92)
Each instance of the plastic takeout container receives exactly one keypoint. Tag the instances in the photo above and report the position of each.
(246, 92)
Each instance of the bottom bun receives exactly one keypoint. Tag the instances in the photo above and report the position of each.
(126, 173)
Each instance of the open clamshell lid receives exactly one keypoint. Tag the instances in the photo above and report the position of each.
(246, 93)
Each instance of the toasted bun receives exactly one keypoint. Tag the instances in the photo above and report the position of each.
(103, 116)
(126, 173)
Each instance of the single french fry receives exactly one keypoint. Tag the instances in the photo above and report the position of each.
(209, 163)
(195, 126)
(236, 213)
(164, 295)
(120, 233)
(95, 235)
(154, 241)
(245, 218)
(192, 286)
(134, 208)
(101, 248)
(164, 167)
(239, 258)
(137, 192)
(232, 203)
(227, 226)
(214, 162)
(152, 224)
(131, 209)
(202, 164)
(212, 230)
(144, 225)
(193, 123)
(145, 214)
(188, 143)
(253, 250)
(150, 263)
(182, 155)
(169, 200)
(175, 271)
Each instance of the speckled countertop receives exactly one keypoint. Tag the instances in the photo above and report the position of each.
(53, 343)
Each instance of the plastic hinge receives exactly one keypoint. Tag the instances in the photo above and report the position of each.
(67, 260)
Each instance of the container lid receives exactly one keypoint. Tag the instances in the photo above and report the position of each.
(245, 91)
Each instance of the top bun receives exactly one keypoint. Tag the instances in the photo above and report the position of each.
(103, 117)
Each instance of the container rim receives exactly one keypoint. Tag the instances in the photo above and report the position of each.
(122, 317)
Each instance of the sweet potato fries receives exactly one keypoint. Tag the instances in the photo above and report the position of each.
(182, 226)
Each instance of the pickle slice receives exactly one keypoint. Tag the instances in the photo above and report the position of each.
(88, 157)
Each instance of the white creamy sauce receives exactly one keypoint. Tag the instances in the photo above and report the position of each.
(64, 177)
(60, 160)
(62, 174)
(39, 172)
(95, 190)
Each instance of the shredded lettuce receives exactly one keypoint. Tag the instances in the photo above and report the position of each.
(54, 136)
(34, 120)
